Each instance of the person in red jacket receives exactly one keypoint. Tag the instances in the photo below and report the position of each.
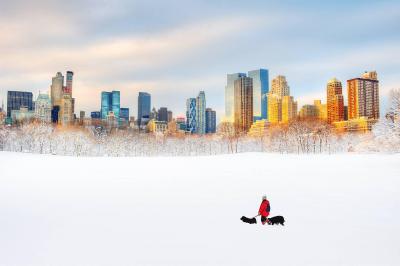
(264, 210)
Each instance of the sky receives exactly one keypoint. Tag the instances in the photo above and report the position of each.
(173, 49)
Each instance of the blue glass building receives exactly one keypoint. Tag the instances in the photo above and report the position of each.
(211, 121)
(95, 115)
(110, 102)
(260, 90)
(18, 99)
(124, 115)
(144, 103)
(229, 94)
(191, 115)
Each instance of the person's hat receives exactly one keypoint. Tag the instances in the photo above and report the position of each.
(264, 197)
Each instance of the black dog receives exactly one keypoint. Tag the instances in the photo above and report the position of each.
(248, 220)
(276, 220)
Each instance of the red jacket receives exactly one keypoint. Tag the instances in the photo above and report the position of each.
(264, 208)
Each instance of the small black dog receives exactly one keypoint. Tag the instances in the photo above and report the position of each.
(276, 220)
(248, 220)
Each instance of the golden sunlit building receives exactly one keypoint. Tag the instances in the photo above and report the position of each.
(335, 106)
(363, 96)
(361, 124)
(320, 109)
(308, 111)
(259, 128)
(243, 103)
(289, 109)
(274, 108)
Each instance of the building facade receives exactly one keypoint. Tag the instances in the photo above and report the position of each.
(56, 89)
(280, 86)
(243, 99)
(260, 92)
(321, 110)
(110, 102)
(308, 111)
(229, 95)
(18, 99)
(144, 107)
(191, 115)
(201, 113)
(334, 98)
(363, 96)
(43, 108)
(211, 121)
(163, 114)
(124, 116)
(289, 109)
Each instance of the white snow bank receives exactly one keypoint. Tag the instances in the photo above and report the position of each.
(340, 210)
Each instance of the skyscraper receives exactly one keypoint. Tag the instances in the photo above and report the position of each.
(163, 114)
(274, 108)
(281, 106)
(229, 95)
(243, 99)
(68, 87)
(334, 99)
(289, 109)
(110, 102)
(211, 121)
(260, 90)
(43, 108)
(320, 109)
(191, 115)
(18, 99)
(144, 103)
(56, 89)
(124, 115)
(201, 113)
(363, 96)
(65, 115)
(280, 86)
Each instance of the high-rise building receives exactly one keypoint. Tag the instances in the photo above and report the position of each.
(68, 85)
(18, 99)
(144, 103)
(321, 110)
(191, 115)
(163, 114)
(243, 99)
(170, 116)
(211, 121)
(289, 109)
(124, 115)
(308, 111)
(363, 96)
(43, 108)
(229, 95)
(65, 115)
(56, 89)
(280, 86)
(260, 90)
(274, 108)
(110, 102)
(334, 98)
(201, 113)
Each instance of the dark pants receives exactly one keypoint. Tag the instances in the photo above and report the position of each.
(263, 219)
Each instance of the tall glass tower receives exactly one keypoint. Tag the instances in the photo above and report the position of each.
(229, 94)
(201, 113)
(191, 115)
(260, 90)
(144, 103)
(110, 102)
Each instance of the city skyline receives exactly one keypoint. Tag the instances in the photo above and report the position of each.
(129, 47)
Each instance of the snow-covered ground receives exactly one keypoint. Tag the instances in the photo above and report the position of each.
(340, 210)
